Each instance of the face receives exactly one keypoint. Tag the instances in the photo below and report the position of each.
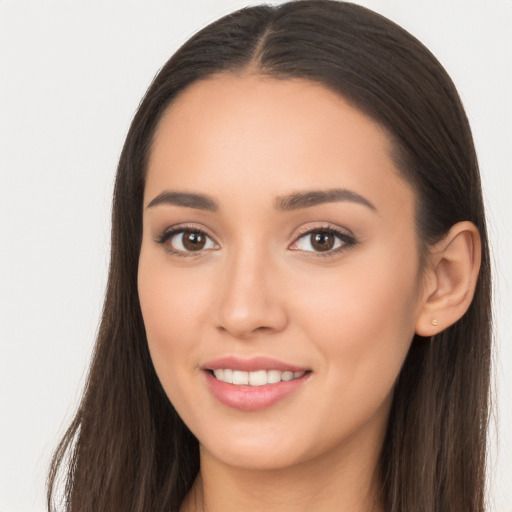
(279, 274)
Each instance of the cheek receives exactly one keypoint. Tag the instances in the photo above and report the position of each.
(369, 294)
(362, 320)
(173, 321)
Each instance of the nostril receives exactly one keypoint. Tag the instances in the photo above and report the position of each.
(262, 328)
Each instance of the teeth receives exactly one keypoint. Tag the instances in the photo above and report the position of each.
(257, 378)
(287, 376)
(240, 377)
(273, 376)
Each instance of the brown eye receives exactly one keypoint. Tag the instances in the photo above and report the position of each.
(193, 241)
(322, 240)
(183, 241)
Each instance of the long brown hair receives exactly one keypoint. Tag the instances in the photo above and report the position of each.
(127, 449)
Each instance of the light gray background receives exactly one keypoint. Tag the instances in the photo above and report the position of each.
(71, 77)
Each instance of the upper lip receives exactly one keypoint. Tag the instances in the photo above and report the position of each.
(251, 364)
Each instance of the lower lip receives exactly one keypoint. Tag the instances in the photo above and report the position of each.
(252, 398)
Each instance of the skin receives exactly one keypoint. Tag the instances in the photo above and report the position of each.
(259, 288)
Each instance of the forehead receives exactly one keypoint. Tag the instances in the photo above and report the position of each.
(252, 135)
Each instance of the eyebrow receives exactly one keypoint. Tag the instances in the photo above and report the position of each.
(187, 199)
(295, 201)
(308, 199)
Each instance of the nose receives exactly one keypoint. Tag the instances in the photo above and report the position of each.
(250, 297)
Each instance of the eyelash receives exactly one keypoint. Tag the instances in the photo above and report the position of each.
(347, 240)
(169, 234)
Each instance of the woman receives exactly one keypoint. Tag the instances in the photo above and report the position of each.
(298, 308)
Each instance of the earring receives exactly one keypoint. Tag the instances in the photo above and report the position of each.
(434, 321)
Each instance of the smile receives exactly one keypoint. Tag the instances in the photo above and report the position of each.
(255, 378)
(251, 384)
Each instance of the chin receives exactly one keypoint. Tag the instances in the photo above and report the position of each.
(254, 457)
(258, 448)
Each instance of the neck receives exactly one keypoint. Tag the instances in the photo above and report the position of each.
(343, 480)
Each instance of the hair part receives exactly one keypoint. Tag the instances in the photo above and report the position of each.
(127, 448)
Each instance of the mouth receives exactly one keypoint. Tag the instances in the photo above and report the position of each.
(253, 384)
(255, 378)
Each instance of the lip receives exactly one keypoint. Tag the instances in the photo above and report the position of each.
(252, 398)
(252, 364)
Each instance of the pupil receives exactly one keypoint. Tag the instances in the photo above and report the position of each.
(193, 241)
(322, 241)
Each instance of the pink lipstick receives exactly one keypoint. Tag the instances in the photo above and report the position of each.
(252, 384)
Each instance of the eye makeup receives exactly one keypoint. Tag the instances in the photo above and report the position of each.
(324, 241)
(321, 240)
(186, 241)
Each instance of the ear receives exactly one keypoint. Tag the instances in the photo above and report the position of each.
(450, 280)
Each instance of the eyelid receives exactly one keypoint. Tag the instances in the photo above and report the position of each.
(327, 226)
(343, 234)
(347, 238)
(171, 231)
